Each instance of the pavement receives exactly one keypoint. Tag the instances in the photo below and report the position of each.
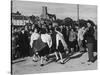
(76, 62)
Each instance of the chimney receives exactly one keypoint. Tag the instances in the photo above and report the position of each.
(44, 12)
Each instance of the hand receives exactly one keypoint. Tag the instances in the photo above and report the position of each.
(65, 48)
(56, 47)
(86, 41)
(17, 45)
(31, 45)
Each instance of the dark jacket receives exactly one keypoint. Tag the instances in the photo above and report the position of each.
(89, 35)
(53, 36)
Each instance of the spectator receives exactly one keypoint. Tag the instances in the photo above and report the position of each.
(90, 41)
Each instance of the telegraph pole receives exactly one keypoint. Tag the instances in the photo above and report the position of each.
(78, 13)
(11, 10)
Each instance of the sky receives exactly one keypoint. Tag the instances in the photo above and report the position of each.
(61, 10)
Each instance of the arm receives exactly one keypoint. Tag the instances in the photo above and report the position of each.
(63, 42)
(84, 31)
(57, 41)
(31, 40)
(49, 41)
(78, 35)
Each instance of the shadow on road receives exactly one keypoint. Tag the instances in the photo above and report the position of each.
(16, 61)
(50, 61)
(76, 56)
(72, 56)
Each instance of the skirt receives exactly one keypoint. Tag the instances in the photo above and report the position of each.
(72, 44)
(60, 47)
(44, 51)
(38, 45)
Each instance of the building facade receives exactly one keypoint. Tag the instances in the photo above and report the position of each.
(18, 19)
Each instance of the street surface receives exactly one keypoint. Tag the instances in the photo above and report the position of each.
(77, 62)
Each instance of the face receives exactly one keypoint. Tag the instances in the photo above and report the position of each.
(50, 31)
(49, 26)
(72, 30)
(88, 24)
(66, 27)
(22, 31)
(94, 27)
(29, 27)
(69, 26)
(33, 26)
(61, 26)
(30, 32)
(35, 30)
(15, 30)
(43, 26)
(83, 28)
(25, 27)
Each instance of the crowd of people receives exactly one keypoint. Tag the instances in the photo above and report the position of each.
(42, 40)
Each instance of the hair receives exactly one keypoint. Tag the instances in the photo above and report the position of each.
(91, 22)
(58, 29)
(38, 29)
(74, 29)
(43, 31)
(23, 29)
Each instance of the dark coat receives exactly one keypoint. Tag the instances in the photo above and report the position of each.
(89, 35)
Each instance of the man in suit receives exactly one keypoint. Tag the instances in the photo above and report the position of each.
(90, 41)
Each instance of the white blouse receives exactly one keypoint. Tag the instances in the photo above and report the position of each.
(46, 38)
(34, 36)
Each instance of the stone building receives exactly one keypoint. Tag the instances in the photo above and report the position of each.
(46, 15)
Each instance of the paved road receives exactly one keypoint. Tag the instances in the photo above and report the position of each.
(77, 62)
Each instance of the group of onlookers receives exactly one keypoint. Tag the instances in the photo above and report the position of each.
(41, 41)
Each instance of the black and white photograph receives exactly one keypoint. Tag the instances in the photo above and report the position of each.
(53, 37)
